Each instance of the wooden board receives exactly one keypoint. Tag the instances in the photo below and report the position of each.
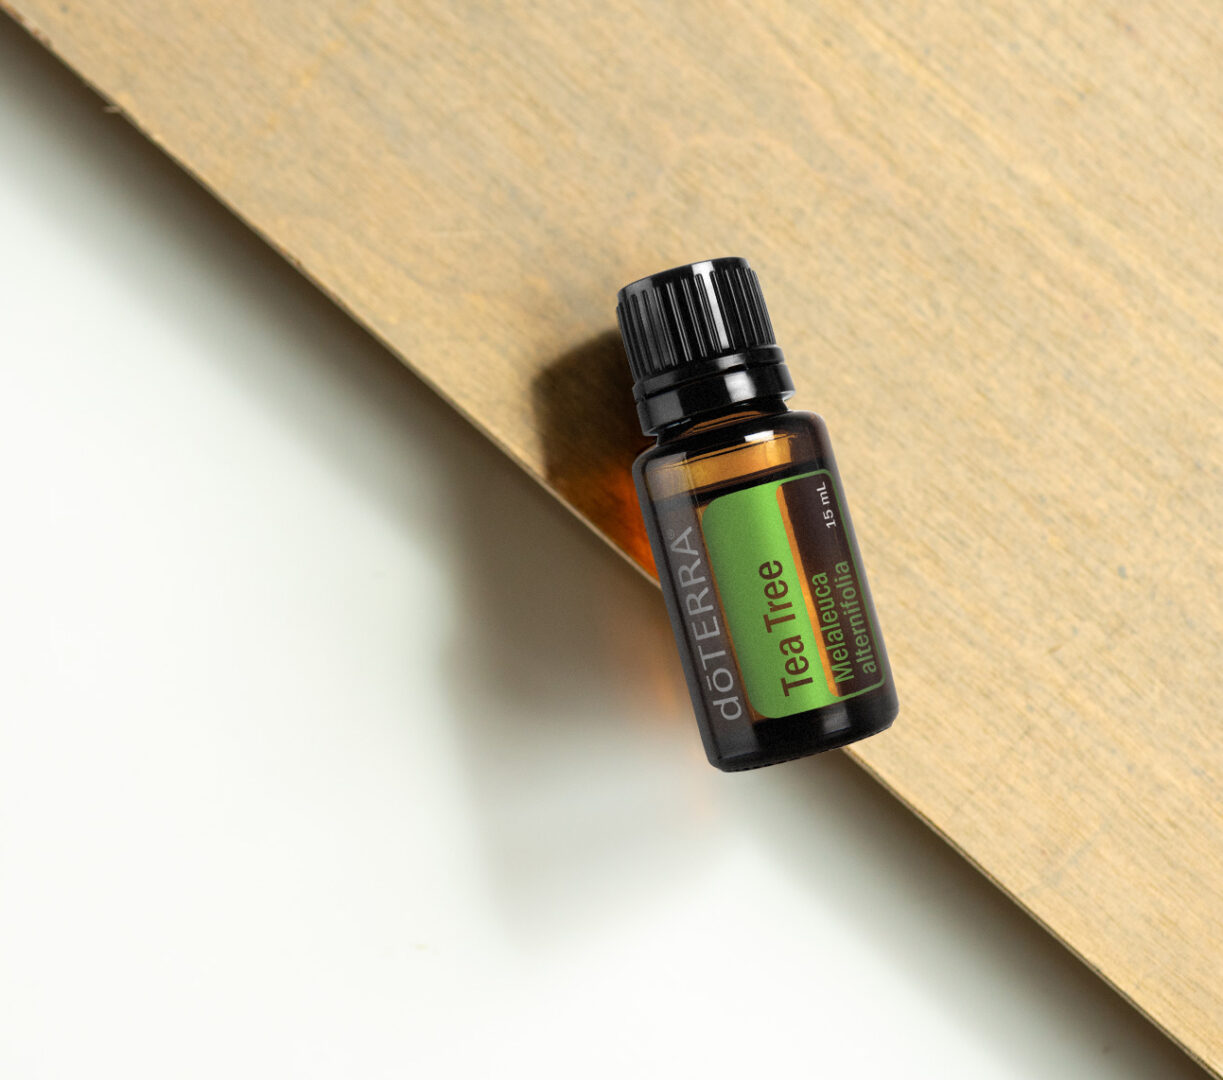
(991, 234)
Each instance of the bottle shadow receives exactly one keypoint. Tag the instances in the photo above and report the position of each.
(571, 709)
(584, 411)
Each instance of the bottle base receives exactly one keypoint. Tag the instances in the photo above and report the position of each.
(804, 734)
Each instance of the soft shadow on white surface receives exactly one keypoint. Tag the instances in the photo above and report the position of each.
(338, 748)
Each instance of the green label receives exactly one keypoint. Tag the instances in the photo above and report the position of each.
(782, 559)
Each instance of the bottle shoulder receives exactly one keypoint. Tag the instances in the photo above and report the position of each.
(720, 453)
(788, 425)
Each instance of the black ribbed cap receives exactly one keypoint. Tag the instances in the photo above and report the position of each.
(692, 313)
(699, 339)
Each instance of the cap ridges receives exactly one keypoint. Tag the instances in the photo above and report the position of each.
(692, 313)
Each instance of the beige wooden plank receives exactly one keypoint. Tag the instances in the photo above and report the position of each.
(991, 234)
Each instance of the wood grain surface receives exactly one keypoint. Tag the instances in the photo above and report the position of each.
(991, 235)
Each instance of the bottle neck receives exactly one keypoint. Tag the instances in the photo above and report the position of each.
(756, 409)
(712, 387)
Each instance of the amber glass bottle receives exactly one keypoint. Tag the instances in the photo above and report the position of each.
(749, 527)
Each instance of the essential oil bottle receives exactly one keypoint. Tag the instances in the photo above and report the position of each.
(749, 526)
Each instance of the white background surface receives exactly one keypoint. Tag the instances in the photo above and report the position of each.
(331, 747)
